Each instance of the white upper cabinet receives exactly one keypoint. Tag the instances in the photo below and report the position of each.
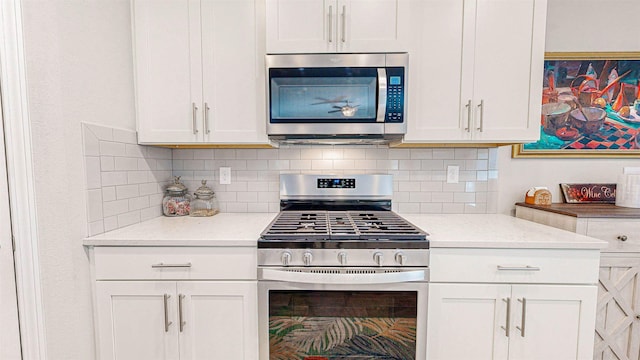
(319, 26)
(476, 70)
(199, 71)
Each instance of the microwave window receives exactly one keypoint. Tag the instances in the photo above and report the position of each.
(331, 99)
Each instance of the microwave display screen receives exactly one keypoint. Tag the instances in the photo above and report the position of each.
(395, 80)
(345, 94)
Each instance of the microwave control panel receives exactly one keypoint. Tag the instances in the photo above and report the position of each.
(395, 95)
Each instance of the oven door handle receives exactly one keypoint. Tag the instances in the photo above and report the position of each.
(351, 279)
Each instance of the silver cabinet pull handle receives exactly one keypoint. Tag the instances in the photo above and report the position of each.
(344, 23)
(622, 237)
(206, 118)
(481, 106)
(518, 268)
(468, 106)
(524, 315)
(194, 111)
(180, 318)
(507, 325)
(330, 24)
(166, 313)
(163, 265)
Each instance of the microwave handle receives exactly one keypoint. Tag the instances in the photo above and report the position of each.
(351, 279)
(382, 95)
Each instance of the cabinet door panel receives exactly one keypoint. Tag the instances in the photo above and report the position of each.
(558, 322)
(465, 319)
(220, 320)
(233, 82)
(503, 55)
(167, 69)
(131, 320)
(435, 72)
(372, 25)
(299, 26)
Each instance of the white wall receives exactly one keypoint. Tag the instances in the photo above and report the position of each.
(572, 25)
(79, 68)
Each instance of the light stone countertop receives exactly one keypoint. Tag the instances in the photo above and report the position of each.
(243, 229)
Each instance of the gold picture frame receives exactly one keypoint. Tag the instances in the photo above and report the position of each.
(616, 135)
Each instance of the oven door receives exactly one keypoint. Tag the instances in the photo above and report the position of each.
(325, 314)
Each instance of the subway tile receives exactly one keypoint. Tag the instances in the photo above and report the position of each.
(160, 176)
(421, 154)
(247, 175)
(203, 154)
(419, 175)
(483, 154)
(274, 186)
(466, 153)
(439, 175)
(475, 208)
(399, 175)
(442, 197)
(159, 153)
(288, 154)
(419, 197)
(332, 154)
(193, 165)
(274, 207)
(385, 164)
(94, 205)
(110, 208)
(466, 176)
(257, 164)
(150, 213)
(258, 207)
(138, 177)
(125, 136)
(476, 186)
(451, 162)
(461, 197)
(452, 208)
(482, 175)
(237, 164)
(311, 154)
(110, 148)
(364, 164)
(399, 154)
(401, 196)
(227, 196)
(92, 169)
(110, 223)
(476, 165)
(138, 203)
(257, 186)
(431, 208)
(269, 175)
(114, 178)
(130, 218)
(148, 189)
(459, 187)
(268, 154)
(353, 154)
(409, 186)
(156, 199)
(147, 164)
(237, 207)
(279, 164)
(247, 196)
(344, 164)
(183, 154)
(433, 186)
(213, 165)
(443, 154)
(246, 154)
(184, 174)
(377, 154)
(493, 158)
(321, 164)
(91, 144)
(135, 150)
(101, 132)
(127, 191)
(163, 164)
(177, 165)
(237, 186)
(432, 165)
(409, 208)
(96, 228)
(481, 197)
(125, 163)
(271, 196)
(108, 193)
(300, 164)
(410, 165)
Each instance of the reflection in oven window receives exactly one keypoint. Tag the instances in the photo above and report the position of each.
(334, 325)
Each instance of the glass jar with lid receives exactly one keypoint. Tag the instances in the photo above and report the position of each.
(176, 201)
(205, 202)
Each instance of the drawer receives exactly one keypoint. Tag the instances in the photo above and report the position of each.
(175, 263)
(550, 266)
(614, 231)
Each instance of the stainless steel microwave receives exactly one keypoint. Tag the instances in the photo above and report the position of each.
(337, 98)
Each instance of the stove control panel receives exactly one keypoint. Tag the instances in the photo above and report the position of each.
(335, 183)
(344, 257)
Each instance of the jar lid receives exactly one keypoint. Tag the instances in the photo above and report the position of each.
(204, 192)
(177, 188)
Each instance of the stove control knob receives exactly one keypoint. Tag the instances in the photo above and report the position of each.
(306, 258)
(378, 258)
(342, 257)
(286, 258)
(401, 258)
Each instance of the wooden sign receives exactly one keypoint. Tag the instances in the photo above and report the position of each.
(589, 193)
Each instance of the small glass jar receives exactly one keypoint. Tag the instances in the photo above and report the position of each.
(176, 201)
(205, 202)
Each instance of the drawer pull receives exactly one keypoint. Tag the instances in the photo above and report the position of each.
(166, 312)
(622, 237)
(524, 316)
(507, 325)
(163, 265)
(518, 268)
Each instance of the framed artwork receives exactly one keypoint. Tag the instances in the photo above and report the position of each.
(590, 107)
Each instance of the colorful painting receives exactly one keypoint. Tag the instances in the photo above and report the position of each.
(590, 107)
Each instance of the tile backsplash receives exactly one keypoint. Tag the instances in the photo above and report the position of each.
(125, 181)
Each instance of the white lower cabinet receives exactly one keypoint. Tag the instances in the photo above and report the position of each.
(494, 304)
(177, 320)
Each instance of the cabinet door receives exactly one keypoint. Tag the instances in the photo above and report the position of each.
(301, 26)
(552, 322)
(132, 320)
(233, 73)
(507, 60)
(618, 316)
(434, 68)
(220, 320)
(467, 320)
(372, 25)
(168, 75)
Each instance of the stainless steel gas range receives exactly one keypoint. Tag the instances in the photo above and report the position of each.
(336, 263)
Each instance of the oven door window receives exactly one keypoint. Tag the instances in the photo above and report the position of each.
(315, 95)
(342, 324)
